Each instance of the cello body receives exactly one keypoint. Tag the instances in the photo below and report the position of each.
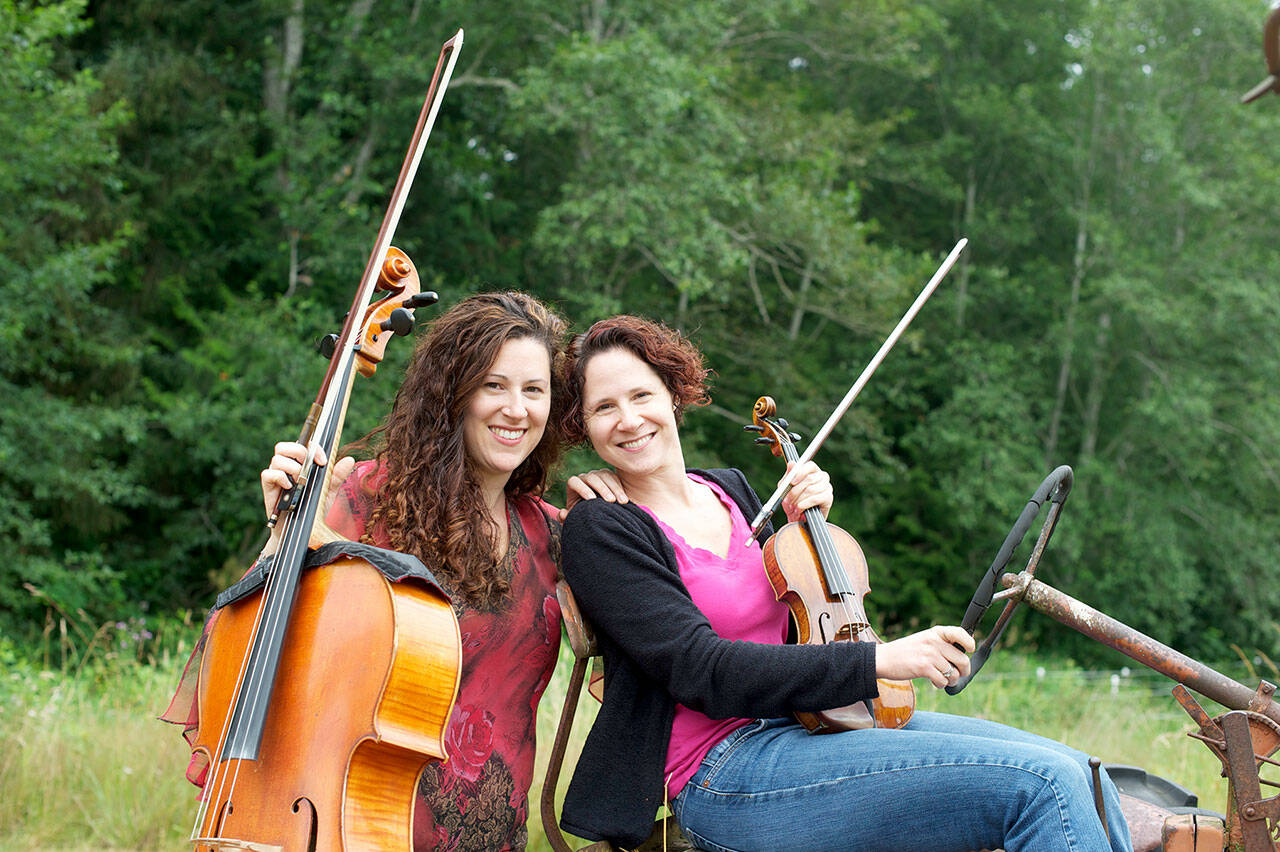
(367, 680)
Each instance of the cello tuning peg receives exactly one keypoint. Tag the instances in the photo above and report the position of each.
(751, 427)
(795, 436)
(327, 345)
(763, 441)
(784, 424)
(400, 322)
(421, 300)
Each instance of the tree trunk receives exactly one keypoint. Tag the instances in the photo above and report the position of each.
(1079, 266)
(1093, 398)
(801, 306)
(277, 80)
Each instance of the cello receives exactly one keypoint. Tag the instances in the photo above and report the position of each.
(818, 570)
(323, 694)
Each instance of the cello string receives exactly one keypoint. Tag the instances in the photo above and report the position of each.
(292, 551)
(214, 787)
(269, 604)
(289, 569)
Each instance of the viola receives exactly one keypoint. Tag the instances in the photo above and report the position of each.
(818, 570)
(323, 695)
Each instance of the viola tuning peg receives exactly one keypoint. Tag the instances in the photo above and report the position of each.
(783, 423)
(764, 440)
(751, 427)
(327, 345)
(421, 300)
(400, 322)
(795, 436)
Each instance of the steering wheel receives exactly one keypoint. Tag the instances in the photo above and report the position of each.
(1054, 489)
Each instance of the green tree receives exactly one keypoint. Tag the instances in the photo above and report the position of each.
(67, 433)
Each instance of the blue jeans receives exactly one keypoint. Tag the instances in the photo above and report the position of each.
(941, 783)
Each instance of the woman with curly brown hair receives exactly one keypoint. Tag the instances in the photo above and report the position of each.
(701, 686)
(462, 461)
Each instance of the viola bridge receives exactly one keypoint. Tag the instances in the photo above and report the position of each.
(851, 632)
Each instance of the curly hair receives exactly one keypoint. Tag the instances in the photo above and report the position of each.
(671, 355)
(430, 504)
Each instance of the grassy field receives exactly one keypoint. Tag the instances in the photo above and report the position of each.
(84, 764)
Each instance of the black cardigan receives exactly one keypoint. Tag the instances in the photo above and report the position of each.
(658, 649)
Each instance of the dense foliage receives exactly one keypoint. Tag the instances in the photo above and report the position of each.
(191, 189)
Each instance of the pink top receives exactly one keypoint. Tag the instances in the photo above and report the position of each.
(736, 597)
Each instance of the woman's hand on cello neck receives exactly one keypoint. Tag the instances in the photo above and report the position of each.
(281, 475)
(931, 654)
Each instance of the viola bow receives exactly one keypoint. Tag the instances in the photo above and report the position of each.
(771, 504)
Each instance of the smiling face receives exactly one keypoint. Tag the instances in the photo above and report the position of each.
(629, 415)
(506, 415)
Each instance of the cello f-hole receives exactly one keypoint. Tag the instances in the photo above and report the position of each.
(312, 827)
(225, 810)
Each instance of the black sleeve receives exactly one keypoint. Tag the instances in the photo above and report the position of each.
(615, 563)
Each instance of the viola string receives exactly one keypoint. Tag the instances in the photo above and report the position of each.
(828, 557)
(831, 565)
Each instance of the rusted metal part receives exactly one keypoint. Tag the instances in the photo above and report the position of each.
(1257, 817)
(1095, 767)
(1209, 729)
(583, 642)
(1271, 48)
(1192, 833)
(1140, 647)
(1262, 698)
(1264, 732)
(550, 824)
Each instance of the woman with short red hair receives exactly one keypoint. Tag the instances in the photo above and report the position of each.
(700, 687)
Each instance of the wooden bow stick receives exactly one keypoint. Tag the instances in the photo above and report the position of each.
(772, 503)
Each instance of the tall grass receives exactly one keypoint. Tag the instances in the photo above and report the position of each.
(84, 764)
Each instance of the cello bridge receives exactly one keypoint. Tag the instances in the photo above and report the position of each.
(216, 844)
